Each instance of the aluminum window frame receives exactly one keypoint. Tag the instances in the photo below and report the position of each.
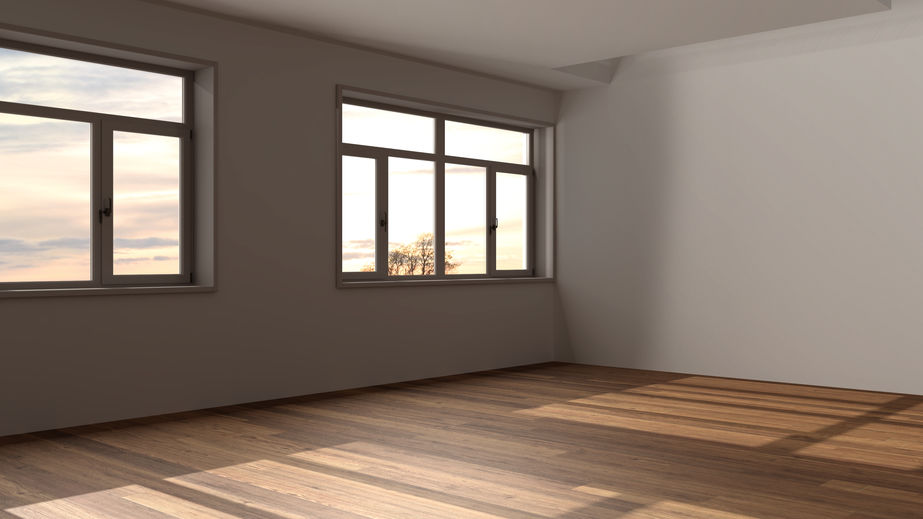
(102, 126)
(439, 159)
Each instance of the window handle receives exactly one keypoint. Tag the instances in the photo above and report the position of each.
(495, 225)
(383, 221)
(106, 211)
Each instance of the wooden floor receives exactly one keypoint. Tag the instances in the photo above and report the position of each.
(550, 441)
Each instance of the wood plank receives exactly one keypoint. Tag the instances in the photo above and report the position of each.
(548, 441)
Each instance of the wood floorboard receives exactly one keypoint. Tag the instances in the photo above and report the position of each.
(562, 441)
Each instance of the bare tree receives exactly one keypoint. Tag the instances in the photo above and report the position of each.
(415, 259)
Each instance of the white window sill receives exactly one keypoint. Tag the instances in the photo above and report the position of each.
(437, 282)
(106, 291)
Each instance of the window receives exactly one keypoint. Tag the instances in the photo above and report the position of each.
(95, 171)
(425, 195)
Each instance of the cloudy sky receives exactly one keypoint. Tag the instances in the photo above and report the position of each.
(46, 175)
(411, 190)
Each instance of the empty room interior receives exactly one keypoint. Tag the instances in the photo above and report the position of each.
(527, 259)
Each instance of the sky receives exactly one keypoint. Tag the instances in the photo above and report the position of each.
(46, 176)
(411, 190)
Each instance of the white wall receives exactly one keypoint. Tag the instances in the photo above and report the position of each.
(276, 326)
(751, 208)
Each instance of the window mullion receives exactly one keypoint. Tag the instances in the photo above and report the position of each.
(381, 214)
(439, 239)
(530, 224)
(490, 220)
(96, 203)
(187, 207)
(105, 198)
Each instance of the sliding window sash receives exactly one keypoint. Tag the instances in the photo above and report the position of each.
(146, 127)
(93, 119)
(492, 270)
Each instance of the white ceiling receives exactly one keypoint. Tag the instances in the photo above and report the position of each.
(527, 40)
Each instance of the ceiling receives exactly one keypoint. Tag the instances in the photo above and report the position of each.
(533, 40)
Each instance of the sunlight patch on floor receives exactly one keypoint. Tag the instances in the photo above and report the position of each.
(601, 492)
(779, 389)
(910, 416)
(733, 415)
(668, 508)
(611, 418)
(118, 503)
(298, 493)
(853, 447)
(455, 477)
(796, 406)
(876, 491)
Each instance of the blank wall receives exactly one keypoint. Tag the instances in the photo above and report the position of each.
(751, 208)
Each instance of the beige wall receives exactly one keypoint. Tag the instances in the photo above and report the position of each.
(751, 208)
(277, 326)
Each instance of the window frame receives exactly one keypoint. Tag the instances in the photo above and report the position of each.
(102, 127)
(380, 155)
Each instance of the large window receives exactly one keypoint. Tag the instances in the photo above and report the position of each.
(95, 175)
(425, 195)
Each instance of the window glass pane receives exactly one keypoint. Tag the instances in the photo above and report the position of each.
(45, 199)
(482, 142)
(358, 210)
(512, 193)
(26, 77)
(465, 219)
(411, 217)
(146, 206)
(386, 129)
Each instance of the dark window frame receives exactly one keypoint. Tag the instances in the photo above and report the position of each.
(439, 159)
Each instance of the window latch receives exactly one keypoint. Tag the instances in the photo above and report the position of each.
(106, 211)
(495, 225)
(383, 221)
